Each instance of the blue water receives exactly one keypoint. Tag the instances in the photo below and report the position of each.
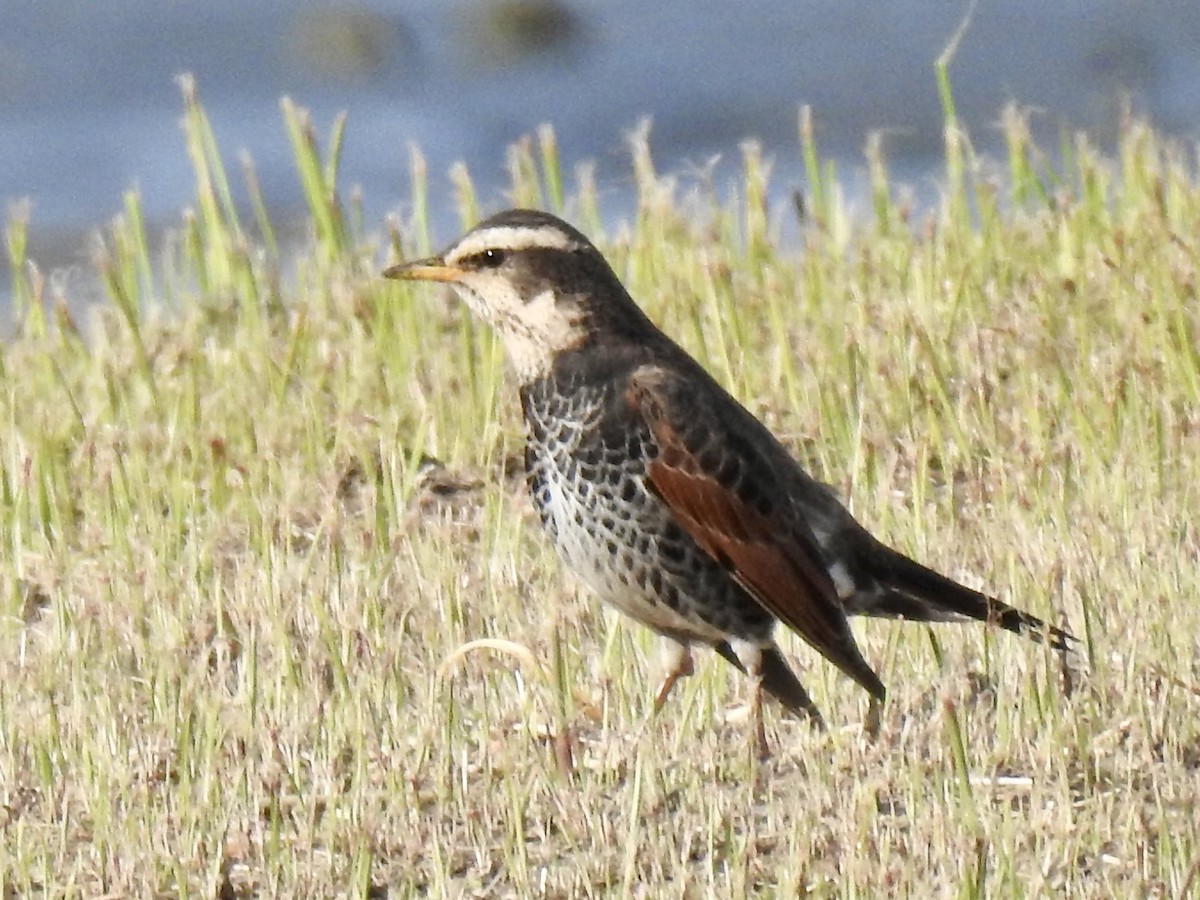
(89, 105)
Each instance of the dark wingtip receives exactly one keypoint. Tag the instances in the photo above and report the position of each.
(780, 682)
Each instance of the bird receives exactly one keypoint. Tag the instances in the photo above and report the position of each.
(664, 495)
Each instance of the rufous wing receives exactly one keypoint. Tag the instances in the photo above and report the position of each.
(715, 487)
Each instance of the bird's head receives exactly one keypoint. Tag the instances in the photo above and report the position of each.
(539, 282)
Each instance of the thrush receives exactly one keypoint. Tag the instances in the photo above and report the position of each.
(663, 494)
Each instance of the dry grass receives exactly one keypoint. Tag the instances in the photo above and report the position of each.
(238, 596)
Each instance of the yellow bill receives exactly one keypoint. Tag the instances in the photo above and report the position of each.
(431, 269)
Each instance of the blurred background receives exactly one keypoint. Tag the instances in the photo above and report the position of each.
(89, 104)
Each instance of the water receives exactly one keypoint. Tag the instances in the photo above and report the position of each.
(89, 105)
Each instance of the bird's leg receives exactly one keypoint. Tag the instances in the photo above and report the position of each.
(677, 663)
(754, 659)
(874, 719)
(756, 714)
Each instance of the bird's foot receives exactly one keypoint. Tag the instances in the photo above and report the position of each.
(679, 664)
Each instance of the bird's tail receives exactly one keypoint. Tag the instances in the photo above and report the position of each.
(911, 591)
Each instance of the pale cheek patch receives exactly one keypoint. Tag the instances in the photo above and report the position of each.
(532, 332)
(495, 303)
(541, 312)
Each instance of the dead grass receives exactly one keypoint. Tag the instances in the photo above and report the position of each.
(238, 590)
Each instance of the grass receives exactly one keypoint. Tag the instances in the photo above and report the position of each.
(276, 619)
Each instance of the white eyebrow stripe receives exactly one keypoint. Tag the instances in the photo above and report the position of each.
(511, 238)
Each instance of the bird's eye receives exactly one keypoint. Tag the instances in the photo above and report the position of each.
(490, 259)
